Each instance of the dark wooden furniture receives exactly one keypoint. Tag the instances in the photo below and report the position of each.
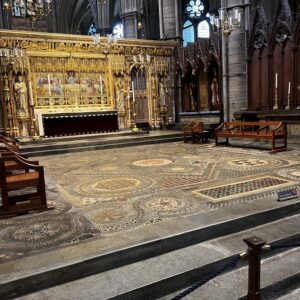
(263, 130)
(199, 133)
(188, 130)
(79, 123)
(7, 145)
(22, 191)
(7, 140)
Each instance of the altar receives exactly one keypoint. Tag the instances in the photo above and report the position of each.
(79, 123)
(56, 85)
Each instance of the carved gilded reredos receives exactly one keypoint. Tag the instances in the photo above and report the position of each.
(35, 42)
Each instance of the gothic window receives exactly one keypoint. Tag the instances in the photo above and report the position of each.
(196, 19)
(194, 8)
(188, 33)
(203, 30)
(118, 30)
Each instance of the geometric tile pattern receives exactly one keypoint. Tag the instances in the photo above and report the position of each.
(244, 187)
(175, 181)
(102, 192)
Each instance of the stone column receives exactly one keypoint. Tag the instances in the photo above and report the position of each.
(5, 18)
(129, 16)
(167, 18)
(104, 18)
(234, 64)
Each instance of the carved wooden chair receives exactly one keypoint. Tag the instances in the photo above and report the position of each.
(188, 131)
(22, 191)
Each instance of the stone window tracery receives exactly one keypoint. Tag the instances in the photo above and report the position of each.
(194, 8)
(196, 19)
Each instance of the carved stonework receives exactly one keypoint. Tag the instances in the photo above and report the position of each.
(284, 22)
(261, 31)
(69, 74)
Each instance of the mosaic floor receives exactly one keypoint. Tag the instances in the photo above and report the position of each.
(103, 192)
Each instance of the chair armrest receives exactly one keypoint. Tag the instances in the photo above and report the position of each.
(219, 127)
(23, 162)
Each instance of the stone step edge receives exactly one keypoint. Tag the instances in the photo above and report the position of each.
(46, 140)
(94, 265)
(97, 142)
(100, 147)
(279, 288)
(177, 283)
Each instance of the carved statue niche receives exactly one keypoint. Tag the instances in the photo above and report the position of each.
(21, 98)
(120, 101)
(215, 100)
(163, 91)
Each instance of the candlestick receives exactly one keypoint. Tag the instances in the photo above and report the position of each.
(133, 93)
(49, 85)
(101, 85)
(275, 107)
(30, 93)
(288, 102)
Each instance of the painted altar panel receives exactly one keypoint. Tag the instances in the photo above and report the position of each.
(66, 74)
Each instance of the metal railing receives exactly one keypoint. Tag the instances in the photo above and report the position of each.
(256, 246)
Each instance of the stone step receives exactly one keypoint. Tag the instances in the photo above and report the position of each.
(97, 145)
(71, 138)
(58, 266)
(291, 295)
(157, 276)
(279, 274)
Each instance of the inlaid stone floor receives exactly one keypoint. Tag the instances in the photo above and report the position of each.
(99, 193)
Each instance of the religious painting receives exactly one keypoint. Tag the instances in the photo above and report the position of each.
(43, 85)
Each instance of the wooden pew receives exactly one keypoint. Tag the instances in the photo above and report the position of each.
(22, 191)
(263, 130)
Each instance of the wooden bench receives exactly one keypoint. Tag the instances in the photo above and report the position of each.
(194, 130)
(263, 130)
(22, 191)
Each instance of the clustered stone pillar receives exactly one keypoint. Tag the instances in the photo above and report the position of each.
(234, 64)
(129, 16)
(169, 26)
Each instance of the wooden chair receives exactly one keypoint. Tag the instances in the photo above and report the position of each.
(7, 139)
(188, 131)
(23, 191)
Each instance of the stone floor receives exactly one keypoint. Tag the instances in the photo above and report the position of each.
(100, 193)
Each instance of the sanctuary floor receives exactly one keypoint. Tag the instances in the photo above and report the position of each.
(143, 190)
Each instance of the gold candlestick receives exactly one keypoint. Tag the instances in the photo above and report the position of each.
(275, 107)
(135, 128)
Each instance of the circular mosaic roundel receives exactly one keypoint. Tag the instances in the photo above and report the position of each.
(36, 232)
(152, 162)
(116, 217)
(165, 204)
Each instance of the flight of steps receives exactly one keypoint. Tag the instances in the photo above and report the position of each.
(71, 144)
(162, 268)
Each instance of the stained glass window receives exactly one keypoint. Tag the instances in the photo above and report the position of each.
(203, 30)
(194, 8)
(92, 30)
(118, 30)
(188, 33)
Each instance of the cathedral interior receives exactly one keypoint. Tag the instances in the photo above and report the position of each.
(116, 181)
